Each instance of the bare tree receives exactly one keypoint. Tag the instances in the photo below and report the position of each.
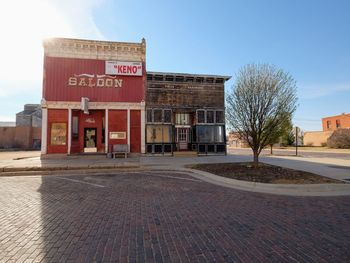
(261, 102)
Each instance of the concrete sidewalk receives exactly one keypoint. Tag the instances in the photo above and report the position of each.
(30, 163)
(23, 161)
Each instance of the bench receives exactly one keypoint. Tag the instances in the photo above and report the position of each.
(120, 149)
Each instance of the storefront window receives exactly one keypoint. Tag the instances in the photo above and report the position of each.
(219, 134)
(58, 133)
(210, 134)
(158, 134)
(205, 134)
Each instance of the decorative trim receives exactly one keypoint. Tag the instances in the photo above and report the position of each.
(44, 131)
(69, 130)
(106, 131)
(93, 49)
(93, 105)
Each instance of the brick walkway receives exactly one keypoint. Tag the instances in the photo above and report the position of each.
(164, 217)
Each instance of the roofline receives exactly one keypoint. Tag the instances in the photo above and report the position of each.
(66, 39)
(339, 115)
(188, 75)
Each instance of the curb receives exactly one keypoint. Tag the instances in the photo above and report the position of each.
(65, 170)
(277, 189)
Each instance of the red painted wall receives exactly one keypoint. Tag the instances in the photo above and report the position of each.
(135, 131)
(56, 116)
(117, 122)
(57, 72)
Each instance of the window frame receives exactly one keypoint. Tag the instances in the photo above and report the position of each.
(337, 124)
(214, 111)
(162, 121)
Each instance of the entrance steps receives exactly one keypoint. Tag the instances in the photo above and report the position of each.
(185, 154)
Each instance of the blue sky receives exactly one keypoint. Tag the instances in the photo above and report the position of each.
(309, 39)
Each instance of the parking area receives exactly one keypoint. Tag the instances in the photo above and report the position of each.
(163, 216)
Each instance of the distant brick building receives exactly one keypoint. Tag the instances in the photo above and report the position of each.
(329, 125)
(333, 123)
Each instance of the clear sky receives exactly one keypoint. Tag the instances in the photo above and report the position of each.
(309, 39)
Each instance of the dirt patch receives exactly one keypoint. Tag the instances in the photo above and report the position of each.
(265, 173)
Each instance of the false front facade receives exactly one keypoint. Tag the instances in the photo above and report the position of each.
(93, 96)
(185, 112)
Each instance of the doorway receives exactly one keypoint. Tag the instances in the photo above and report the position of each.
(90, 139)
(182, 138)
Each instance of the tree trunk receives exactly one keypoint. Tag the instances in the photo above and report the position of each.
(271, 148)
(256, 158)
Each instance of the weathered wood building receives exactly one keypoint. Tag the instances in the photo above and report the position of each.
(185, 112)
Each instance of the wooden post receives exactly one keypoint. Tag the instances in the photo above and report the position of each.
(296, 141)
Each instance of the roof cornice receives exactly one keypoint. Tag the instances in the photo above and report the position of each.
(95, 49)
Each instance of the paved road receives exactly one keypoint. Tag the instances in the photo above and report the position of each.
(164, 217)
(303, 153)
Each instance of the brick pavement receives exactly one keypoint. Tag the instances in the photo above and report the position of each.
(164, 217)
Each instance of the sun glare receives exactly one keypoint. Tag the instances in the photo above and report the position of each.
(24, 24)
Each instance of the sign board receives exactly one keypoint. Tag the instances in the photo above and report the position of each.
(123, 68)
(117, 135)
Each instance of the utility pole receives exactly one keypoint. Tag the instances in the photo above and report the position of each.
(296, 141)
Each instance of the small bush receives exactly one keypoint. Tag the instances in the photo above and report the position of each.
(324, 144)
(339, 139)
(310, 144)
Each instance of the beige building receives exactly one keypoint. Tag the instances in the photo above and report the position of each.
(316, 138)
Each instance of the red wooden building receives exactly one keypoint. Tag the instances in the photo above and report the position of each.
(93, 96)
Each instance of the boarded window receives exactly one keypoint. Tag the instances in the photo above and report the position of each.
(58, 133)
(159, 134)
